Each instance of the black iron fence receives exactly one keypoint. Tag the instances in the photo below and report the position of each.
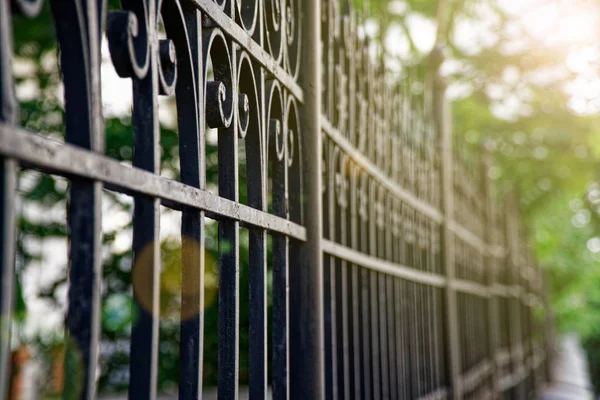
(397, 271)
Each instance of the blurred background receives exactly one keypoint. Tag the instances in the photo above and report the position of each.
(524, 79)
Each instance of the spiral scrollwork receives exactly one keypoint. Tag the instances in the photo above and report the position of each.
(243, 114)
(363, 198)
(219, 93)
(28, 8)
(293, 35)
(293, 131)
(273, 14)
(380, 209)
(341, 184)
(277, 138)
(216, 98)
(324, 185)
(247, 14)
(127, 33)
(168, 70)
(276, 126)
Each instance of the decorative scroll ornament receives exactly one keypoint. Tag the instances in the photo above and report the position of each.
(247, 14)
(243, 114)
(379, 211)
(292, 129)
(341, 101)
(409, 230)
(396, 220)
(219, 93)
(293, 10)
(341, 188)
(363, 199)
(28, 8)
(363, 121)
(277, 134)
(423, 234)
(324, 168)
(128, 33)
(276, 138)
(247, 101)
(273, 14)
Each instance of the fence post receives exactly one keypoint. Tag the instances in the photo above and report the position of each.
(8, 184)
(443, 121)
(549, 338)
(512, 261)
(490, 268)
(306, 272)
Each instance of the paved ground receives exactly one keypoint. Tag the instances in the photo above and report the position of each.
(570, 373)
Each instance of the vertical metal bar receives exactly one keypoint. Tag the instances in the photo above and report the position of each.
(354, 286)
(146, 241)
(365, 312)
(337, 361)
(257, 167)
(430, 339)
(342, 282)
(439, 339)
(306, 285)
(356, 353)
(329, 327)
(402, 313)
(228, 292)
(401, 355)
(411, 299)
(374, 300)
(256, 175)
(512, 241)
(280, 318)
(192, 149)
(435, 336)
(8, 186)
(329, 278)
(258, 314)
(391, 320)
(548, 324)
(280, 284)
(383, 339)
(143, 365)
(444, 129)
(83, 318)
(489, 270)
(229, 265)
(80, 64)
(192, 304)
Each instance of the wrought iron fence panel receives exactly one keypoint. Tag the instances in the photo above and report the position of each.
(397, 271)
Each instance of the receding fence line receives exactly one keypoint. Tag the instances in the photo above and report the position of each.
(398, 272)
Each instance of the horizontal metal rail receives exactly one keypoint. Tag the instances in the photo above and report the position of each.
(438, 394)
(383, 266)
(52, 156)
(475, 375)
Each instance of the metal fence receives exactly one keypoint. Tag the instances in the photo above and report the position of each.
(397, 271)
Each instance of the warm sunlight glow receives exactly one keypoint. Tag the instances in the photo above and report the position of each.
(578, 27)
(560, 24)
(569, 30)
